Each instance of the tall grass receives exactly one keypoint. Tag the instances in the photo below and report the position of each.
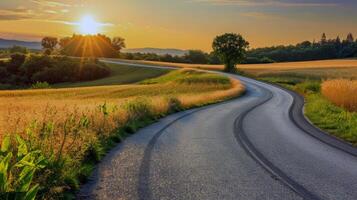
(329, 116)
(341, 92)
(73, 128)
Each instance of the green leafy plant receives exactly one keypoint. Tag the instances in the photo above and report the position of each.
(18, 164)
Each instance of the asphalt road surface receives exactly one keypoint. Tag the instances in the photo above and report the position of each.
(253, 147)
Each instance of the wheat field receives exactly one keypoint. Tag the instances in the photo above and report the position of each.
(341, 92)
(339, 68)
(20, 108)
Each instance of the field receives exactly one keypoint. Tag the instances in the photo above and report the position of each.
(346, 68)
(23, 106)
(74, 127)
(121, 74)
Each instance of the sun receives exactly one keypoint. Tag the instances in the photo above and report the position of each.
(88, 25)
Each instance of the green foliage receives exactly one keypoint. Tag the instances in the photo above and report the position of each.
(49, 44)
(189, 77)
(196, 57)
(22, 70)
(139, 109)
(18, 165)
(40, 85)
(331, 118)
(192, 56)
(306, 50)
(18, 49)
(308, 87)
(94, 152)
(231, 49)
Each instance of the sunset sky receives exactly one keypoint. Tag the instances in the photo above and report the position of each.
(184, 24)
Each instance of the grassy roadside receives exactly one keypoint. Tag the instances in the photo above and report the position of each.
(54, 137)
(321, 112)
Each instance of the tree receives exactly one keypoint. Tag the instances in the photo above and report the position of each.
(323, 39)
(350, 38)
(88, 46)
(16, 62)
(305, 44)
(196, 57)
(118, 43)
(231, 49)
(49, 44)
(64, 42)
(18, 49)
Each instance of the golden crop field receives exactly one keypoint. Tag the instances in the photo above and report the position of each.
(20, 108)
(341, 68)
(341, 92)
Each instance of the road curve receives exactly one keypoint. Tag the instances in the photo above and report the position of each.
(246, 148)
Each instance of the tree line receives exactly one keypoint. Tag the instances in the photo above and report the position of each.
(323, 49)
(306, 50)
(192, 56)
(102, 46)
(22, 70)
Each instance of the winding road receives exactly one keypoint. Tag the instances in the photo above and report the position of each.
(258, 146)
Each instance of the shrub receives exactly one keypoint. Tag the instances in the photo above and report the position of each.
(16, 62)
(94, 152)
(139, 109)
(40, 85)
(43, 68)
(34, 64)
(91, 71)
(266, 60)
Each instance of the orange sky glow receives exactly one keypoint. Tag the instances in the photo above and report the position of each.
(189, 24)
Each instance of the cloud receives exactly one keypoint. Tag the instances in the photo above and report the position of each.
(50, 3)
(276, 3)
(43, 9)
(261, 15)
(16, 14)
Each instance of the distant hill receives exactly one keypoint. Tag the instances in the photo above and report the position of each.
(4, 43)
(173, 52)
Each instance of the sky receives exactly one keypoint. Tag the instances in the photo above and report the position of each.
(183, 24)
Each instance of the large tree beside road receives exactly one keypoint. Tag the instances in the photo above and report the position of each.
(231, 49)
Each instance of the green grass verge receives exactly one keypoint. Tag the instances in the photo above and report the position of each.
(121, 74)
(321, 112)
(331, 118)
(190, 77)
